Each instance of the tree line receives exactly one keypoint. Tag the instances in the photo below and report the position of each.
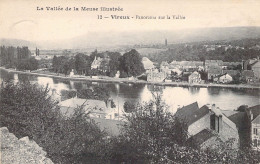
(197, 52)
(151, 134)
(129, 64)
(17, 57)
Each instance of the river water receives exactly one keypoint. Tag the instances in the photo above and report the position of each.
(174, 97)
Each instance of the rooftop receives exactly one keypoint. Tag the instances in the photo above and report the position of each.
(191, 113)
(203, 136)
(89, 105)
(256, 120)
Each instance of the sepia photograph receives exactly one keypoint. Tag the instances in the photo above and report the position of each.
(129, 82)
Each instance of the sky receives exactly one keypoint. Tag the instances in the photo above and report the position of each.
(19, 19)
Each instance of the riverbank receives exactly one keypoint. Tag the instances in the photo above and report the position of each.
(127, 80)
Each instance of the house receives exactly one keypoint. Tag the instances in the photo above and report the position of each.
(213, 71)
(248, 125)
(95, 108)
(256, 69)
(255, 133)
(247, 64)
(194, 77)
(117, 75)
(212, 63)
(185, 65)
(72, 73)
(101, 64)
(225, 78)
(248, 76)
(225, 65)
(156, 76)
(165, 67)
(148, 64)
(232, 73)
(253, 114)
(208, 126)
(96, 63)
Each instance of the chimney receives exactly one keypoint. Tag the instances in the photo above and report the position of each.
(213, 107)
(251, 116)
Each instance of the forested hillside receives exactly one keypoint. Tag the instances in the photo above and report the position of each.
(237, 50)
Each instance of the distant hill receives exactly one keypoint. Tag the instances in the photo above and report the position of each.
(17, 42)
(108, 39)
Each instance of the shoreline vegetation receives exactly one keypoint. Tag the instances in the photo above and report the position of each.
(130, 81)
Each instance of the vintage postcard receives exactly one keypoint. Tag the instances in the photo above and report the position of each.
(127, 81)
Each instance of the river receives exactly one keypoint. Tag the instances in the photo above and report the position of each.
(174, 97)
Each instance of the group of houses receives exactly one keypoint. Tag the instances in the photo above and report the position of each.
(208, 126)
(211, 127)
(216, 71)
(101, 64)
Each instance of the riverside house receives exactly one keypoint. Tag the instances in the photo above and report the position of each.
(101, 64)
(186, 65)
(248, 76)
(213, 63)
(225, 78)
(208, 126)
(256, 69)
(213, 71)
(194, 77)
(156, 76)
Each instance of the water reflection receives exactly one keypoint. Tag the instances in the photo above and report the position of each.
(175, 97)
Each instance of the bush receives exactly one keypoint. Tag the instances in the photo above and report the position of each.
(28, 110)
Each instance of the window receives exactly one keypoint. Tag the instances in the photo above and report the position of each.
(255, 131)
(255, 142)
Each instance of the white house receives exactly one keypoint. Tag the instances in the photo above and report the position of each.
(96, 63)
(194, 77)
(226, 78)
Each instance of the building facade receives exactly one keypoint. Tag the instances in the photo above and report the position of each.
(255, 133)
(194, 77)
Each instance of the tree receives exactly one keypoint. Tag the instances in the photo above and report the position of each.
(28, 64)
(204, 75)
(131, 63)
(114, 63)
(28, 110)
(148, 134)
(55, 64)
(33, 64)
(81, 64)
(129, 107)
